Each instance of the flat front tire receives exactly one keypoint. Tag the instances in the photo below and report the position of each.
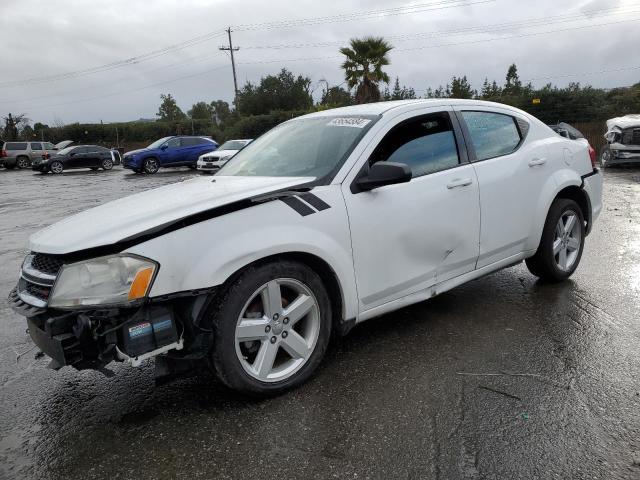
(271, 328)
(562, 242)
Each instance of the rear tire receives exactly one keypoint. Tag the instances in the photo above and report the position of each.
(107, 164)
(238, 362)
(22, 162)
(151, 165)
(562, 242)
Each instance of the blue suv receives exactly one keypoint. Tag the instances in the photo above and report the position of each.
(168, 152)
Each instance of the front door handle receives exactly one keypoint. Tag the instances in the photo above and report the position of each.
(537, 162)
(459, 182)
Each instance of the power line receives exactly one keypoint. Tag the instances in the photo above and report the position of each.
(348, 17)
(118, 64)
(442, 4)
(525, 23)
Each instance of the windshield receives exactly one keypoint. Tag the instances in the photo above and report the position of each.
(232, 145)
(306, 147)
(157, 143)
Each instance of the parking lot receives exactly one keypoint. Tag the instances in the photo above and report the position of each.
(502, 378)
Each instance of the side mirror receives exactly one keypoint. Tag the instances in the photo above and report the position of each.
(383, 173)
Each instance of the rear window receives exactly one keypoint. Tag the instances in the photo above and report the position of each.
(492, 134)
(15, 146)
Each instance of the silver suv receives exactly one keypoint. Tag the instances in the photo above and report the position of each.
(22, 154)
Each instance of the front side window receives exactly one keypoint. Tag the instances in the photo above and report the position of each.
(426, 144)
(49, 146)
(492, 134)
(173, 143)
(304, 147)
(158, 143)
(232, 145)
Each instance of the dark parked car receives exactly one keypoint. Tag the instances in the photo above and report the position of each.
(78, 156)
(168, 152)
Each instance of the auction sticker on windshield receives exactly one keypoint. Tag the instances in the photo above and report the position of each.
(356, 122)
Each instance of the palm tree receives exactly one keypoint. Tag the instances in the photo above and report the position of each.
(363, 66)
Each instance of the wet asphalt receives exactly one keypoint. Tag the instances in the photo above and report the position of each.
(502, 378)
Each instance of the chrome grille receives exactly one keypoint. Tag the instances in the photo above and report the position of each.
(49, 264)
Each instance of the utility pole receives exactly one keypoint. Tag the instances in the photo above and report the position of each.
(231, 49)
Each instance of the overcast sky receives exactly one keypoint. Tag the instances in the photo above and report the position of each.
(41, 38)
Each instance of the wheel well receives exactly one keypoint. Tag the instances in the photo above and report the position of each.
(317, 264)
(579, 196)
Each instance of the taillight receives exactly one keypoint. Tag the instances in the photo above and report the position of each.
(592, 155)
(3, 153)
(46, 156)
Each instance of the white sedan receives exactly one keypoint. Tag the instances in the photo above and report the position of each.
(213, 161)
(325, 221)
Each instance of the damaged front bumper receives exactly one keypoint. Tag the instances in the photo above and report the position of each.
(624, 154)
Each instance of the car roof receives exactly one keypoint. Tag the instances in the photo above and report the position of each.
(382, 108)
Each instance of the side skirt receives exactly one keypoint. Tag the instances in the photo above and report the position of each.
(442, 287)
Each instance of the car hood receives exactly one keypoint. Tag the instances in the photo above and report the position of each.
(133, 152)
(127, 217)
(220, 153)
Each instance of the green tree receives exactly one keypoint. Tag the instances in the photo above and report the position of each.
(13, 124)
(169, 110)
(365, 59)
(221, 111)
(461, 88)
(336, 97)
(513, 85)
(201, 111)
(490, 90)
(282, 92)
(399, 93)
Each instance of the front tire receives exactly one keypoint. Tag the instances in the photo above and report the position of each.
(151, 165)
(271, 328)
(56, 167)
(562, 242)
(605, 156)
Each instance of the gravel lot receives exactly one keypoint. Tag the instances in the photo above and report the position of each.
(502, 378)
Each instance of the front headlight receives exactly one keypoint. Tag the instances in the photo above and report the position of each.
(117, 280)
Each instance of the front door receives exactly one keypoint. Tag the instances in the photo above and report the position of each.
(77, 158)
(410, 236)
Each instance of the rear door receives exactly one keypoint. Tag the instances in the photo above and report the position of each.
(410, 236)
(511, 173)
(36, 150)
(93, 157)
(191, 148)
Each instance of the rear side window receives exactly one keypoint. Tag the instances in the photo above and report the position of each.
(36, 146)
(15, 146)
(492, 134)
(426, 144)
(173, 143)
(191, 141)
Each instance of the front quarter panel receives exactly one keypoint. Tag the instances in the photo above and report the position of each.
(206, 254)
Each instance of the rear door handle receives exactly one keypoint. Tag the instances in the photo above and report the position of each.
(537, 162)
(459, 182)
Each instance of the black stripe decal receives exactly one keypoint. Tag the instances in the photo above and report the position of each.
(299, 206)
(591, 174)
(314, 201)
(177, 224)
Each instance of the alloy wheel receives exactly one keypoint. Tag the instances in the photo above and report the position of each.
(151, 165)
(567, 240)
(56, 167)
(23, 162)
(277, 330)
(107, 164)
